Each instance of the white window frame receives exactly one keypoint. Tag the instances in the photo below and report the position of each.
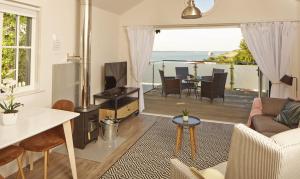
(22, 10)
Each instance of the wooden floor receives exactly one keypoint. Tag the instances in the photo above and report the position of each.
(236, 107)
(132, 129)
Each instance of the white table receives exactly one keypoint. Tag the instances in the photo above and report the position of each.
(32, 121)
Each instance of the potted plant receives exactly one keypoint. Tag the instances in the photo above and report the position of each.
(8, 105)
(185, 115)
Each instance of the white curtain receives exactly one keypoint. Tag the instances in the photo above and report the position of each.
(141, 41)
(271, 44)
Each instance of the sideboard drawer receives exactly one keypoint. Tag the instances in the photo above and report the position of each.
(122, 112)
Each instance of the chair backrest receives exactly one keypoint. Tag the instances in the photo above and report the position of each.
(255, 156)
(218, 70)
(182, 72)
(65, 105)
(219, 82)
(162, 77)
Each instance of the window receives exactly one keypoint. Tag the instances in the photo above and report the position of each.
(205, 5)
(17, 46)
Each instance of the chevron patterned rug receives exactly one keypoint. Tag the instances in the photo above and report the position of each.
(150, 156)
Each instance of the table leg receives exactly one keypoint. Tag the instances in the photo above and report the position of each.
(193, 142)
(30, 157)
(70, 147)
(179, 139)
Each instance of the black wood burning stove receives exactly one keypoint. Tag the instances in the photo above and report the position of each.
(86, 128)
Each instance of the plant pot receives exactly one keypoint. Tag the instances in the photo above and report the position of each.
(185, 118)
(9, 118)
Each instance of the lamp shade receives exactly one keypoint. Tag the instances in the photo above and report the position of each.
(287, 80)
(191, 11)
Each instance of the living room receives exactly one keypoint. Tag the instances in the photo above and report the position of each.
(57, 40)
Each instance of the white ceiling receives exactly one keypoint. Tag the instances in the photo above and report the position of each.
(116, 6)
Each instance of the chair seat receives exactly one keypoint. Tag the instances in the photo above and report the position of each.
(43, 141)
(9, 154)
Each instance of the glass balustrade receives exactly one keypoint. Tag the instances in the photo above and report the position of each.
(240, 77)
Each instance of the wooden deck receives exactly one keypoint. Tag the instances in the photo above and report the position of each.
(236, 107)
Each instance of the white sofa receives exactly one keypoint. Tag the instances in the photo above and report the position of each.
(252, 156)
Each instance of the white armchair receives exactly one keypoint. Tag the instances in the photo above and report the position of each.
(252, 156)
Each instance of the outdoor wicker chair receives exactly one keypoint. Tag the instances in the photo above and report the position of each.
(215, 70)
(214, 88)
(170, 85)
(182, 73)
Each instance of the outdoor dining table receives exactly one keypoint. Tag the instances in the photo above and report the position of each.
(32, 121)
(193, 84)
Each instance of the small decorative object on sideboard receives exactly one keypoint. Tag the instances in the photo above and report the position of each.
(109, 128)
(185, 115)
(9, 115)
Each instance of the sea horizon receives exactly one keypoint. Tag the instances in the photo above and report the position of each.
(184, 55)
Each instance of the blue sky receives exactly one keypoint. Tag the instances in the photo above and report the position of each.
(204, 39)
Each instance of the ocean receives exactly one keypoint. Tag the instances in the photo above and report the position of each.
(184, 55)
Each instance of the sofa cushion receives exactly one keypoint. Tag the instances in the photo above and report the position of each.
(272, 106)
(267, 126)
(284, 139)
(290, 114)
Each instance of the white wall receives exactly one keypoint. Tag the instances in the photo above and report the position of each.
(60, 18)
(105, 35)
(167, 13)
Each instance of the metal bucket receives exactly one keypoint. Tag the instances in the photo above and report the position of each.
(109, 130)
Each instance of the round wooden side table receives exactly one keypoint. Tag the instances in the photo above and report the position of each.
(190, 124)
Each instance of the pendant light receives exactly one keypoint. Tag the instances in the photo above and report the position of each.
(191, 11)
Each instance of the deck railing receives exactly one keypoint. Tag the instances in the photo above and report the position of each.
(239, 76)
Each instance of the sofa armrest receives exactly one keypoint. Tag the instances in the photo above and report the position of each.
(256, 109)
(252, 154)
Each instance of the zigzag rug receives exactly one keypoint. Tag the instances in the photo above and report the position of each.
(150, 156)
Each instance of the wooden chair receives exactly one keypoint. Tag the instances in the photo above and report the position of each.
(50, 139)
(215, 88)
(170, 85)
(11, 153)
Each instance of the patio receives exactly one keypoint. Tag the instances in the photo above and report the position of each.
(236, 107)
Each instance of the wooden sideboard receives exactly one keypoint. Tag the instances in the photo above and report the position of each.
(120, 104)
